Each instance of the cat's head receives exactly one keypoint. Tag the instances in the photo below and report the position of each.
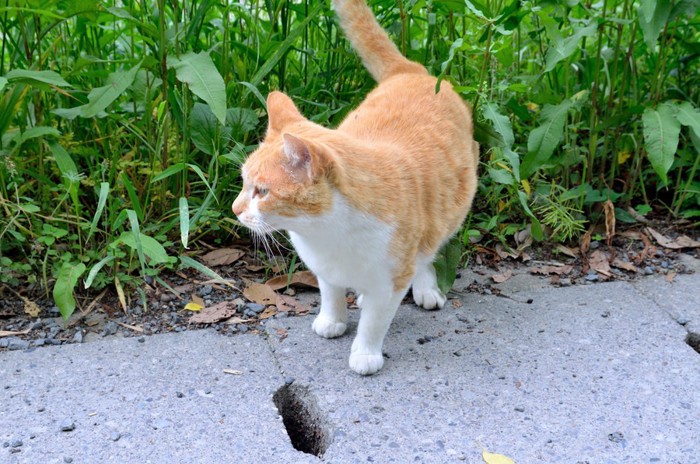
(287, 180)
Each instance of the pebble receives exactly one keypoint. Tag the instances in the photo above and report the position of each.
(38, 342)
(4, 342)
(205, 290)
(109, 328)
(67, 425)
(115, 436)
(78, 337)
(565, 282)
(68, 459)
(592, 276)
(16, 343)
(37, 325)
(255, 307)
(649, 270)
(16, 443)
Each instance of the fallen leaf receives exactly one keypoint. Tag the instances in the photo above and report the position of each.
(676, 244)
(670, 276)
(268, 312)
(232, 372)
(120, 293)
(567, 251)
(282, 333)
(30, 308)
(609, 210)
(599, 263)
(260, 293)
(632, 234)
(494, 458)
(549, 270)
(222, 256)
(456, 303)
(236, 320)
(7, 333)
(135, 328)
(503, 276)
(198, 300)
(627, 266)
(193, 307)
(287, 303)
(503, 253)
(302, 278)
(215, 313)
(585, 243)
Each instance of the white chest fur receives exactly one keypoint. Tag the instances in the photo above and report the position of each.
(345, 247)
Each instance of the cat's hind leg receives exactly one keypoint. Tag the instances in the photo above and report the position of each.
(378, 310)
(426, 292)
(332, 319)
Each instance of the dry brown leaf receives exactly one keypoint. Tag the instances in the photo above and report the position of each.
(503, 276)
(599, 263)
(585, 243)
(549, 270)
(282, 333)
(30, 308)
(503, 253)
(632, 234)
(287, 303)
(670, 276)
(198, 300)
(222, 257)
(627, 266)
(302, 278)
(8, 333)
(567, 251)
(236, 320)
(456, 303)
(609, 210)
(260, 293)
(676, 244)
(214, 313)
(268, 312)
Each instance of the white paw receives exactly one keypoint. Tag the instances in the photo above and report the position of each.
(429, 298)
(328, 328)
(358, 300)
(366, 363)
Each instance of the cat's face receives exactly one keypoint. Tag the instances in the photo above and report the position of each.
(285, 181)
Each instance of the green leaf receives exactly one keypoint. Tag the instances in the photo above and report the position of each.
(689, 116)
(205, 134)
(651, 27)
(136, 234)
(545, 138)
(102, 200)
(36, 132)
(184, 221)
(32, 77)
(501, 176)
(564, 48)
(281, 49)
(169, 171)
(198, 71)
(63, 288)
(3, 82)
(501, 123)
(186, 261)
(131, 191)
(446, 263)
(242, 120)
(101, 97)
(536, 229)
(661, 131)
(96, 269)
(150, 246)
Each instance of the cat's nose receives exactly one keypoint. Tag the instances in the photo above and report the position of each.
(237, 208)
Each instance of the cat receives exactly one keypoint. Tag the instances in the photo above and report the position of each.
(367, 205)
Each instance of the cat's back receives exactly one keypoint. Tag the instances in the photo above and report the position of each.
(406, 110)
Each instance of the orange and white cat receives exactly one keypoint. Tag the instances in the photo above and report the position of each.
(367, 205)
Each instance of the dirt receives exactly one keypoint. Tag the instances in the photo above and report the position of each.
(242, 301)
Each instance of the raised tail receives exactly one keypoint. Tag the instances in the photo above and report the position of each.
(379, 54)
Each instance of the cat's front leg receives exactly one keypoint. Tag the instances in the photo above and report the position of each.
(332, 320)
(378, 311)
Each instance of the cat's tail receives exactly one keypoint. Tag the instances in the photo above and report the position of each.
(379, 54)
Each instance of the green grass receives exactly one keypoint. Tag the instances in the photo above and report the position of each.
(122, 128)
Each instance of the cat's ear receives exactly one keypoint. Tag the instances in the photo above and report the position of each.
(281, 111)
(299, 157)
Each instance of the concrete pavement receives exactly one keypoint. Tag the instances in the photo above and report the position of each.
(585, 374)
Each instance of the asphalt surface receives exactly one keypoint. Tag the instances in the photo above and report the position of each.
(598, 373)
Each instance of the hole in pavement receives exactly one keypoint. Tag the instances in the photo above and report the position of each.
(307, 429)
(693, 339)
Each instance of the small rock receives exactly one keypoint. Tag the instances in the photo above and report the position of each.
(37, 325)
(141, 339)
(68, 459)
(54, 310)
(565, 282)
(67, 425)
(38, 342)
(166, 297)
(519, 409)
(16, 443)
(6, 444)
(148, 280)
(115, 436)
(665, 264)
(179, 394)
(78, 337)
(649, 270)
(109, 328)
(4, 343)
(255, 308)
(205, 290)
(16, 343)
(594, 245)
(592, 277)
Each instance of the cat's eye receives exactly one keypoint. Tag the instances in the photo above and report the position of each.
(260, 192)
